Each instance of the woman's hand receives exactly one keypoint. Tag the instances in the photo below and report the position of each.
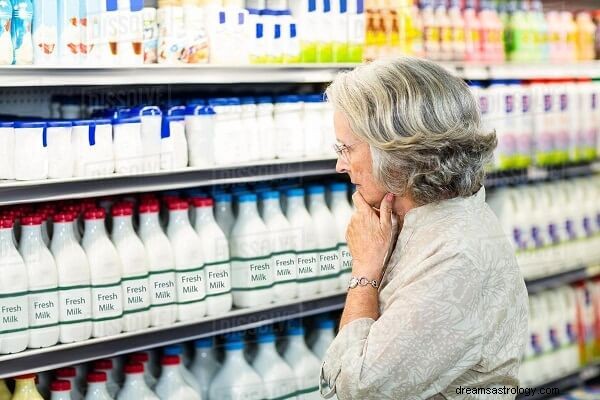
(369, 236)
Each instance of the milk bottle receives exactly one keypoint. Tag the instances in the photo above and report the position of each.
(134, 269)
(278, 378)
(303, 362)
(151, 121)
(6, 46)
(74, 281)
(171, 385)
(106, 366)
(69, 374)
(21, 31)
(189, 263)
(205, 364)
(25, 388)
(252, 274)
(135, 386)
(224, 212)
(284, 240)
(307, 253)
(236, 379)
(161, 265)
(7, 134)
(43, 282)
(60, 390)
(45, 32)
(323, 337)
(173, 147)
(188, 377)
(5, 394)
(105, 268)
(144, 358)
(327, 237)
(200, 135)
(342, 212)
(96, 387)
(14, 305)
(216, 257)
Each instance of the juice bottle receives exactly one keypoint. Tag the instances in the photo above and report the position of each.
(445, 27)
(431, 30)
(457, 25)
(472, 32)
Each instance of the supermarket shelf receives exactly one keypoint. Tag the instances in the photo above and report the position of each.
(565, 383)
(564, 278)
(76, 353)
(538, 174)
(13, 192)
(37, 76)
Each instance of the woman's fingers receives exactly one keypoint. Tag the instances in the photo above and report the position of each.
(385, 213)
(360, 202)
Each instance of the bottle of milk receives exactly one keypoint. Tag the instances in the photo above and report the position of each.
(105, 272)
(75, 303)
(304, 363)
(205, 364)
(134, 267)
(216, 257)
(323, 337)
(236, 379)
(96, 387)
(171, 385)
(307, 253)
(189, 263)
(43, 285)
(161, 264)
(6, 47)
(25, 388)
(224, 212)
(14, 285)
(188, 377)
(144, 358)
(342, 212)
(252, 275)
(60, 390)
(21, 31)
(327, 237)
(135, 386)
(107, 367)
(284, 240)
(69, 374)
(279, 379)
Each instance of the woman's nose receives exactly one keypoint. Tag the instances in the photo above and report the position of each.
(341, 166)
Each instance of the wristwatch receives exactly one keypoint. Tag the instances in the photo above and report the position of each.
(362, 281)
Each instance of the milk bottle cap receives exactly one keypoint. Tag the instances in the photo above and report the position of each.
(316, 189)
(217, 101)
(247, 100)
(290, 98)
(96, 377)
(173, 350)
(246, 197)
(325, 323)
(30, 124)
(222, 197)
(103, 364)
(202, 202)
(31, 220)
(66, 372)
(60, 386)
(264, 100)
(204, 343)
(312, 98)
(295, 192)
(178, 205)
(6, 223)
(149, 208)
(121, 210)
(98, 213)
(265, 334)
(338, 187)
(63, 217)
(233, 341)
(134, 368)
(139, 357)
(170, 360)
(271, 194)
(295, 327)
(25, 376)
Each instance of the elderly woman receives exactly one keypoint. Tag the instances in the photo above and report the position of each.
(436, 305)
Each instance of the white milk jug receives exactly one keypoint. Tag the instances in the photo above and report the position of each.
(135, 387)
(43, 285)
(200, 135)
(7, 150)
(60, 156)
(107, 366)
(284, 241)
(96, 387)
(134, 267)
(105, 270)
(128, 145)
(161, 266)
(236, 379)
(189, 263)
(205, 364)
(252, 275)
(324, 335)
(216, 258)
(307, 253)
(279, 379)
(173, 147)
(144, 358)
(342, 213)
(14, 286)
(60, 390)
(75, 302)
(224, 212)
(70, 374)
(151, 121)
(188, 377)
(171, 385)
(327, 237)
(304, 363)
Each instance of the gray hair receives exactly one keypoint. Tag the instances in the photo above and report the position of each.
(422, 124)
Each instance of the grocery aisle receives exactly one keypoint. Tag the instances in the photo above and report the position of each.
(170, 218)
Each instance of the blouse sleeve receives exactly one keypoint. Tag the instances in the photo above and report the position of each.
(428, 335)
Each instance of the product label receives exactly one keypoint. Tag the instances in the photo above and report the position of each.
(107, 302)
(345, 258)
(136, 294)
(163, 290)
(251, 273)
(13, 312)
(308, 266)
(43, 309)
(284, 265)
(190, 285)
(329, 262)
(218, 278)
(75, 304)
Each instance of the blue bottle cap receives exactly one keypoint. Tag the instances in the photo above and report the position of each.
(289, 98)
(269, 194)
(204, 343)
(338, 187)
(316, 189)
(264, 100)
(313, 98)
(246, 197)
(173, 350)
(223, 197)
(295, 192)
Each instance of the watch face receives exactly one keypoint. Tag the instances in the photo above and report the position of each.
(353, 283)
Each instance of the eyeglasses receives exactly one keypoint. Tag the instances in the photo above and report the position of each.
(343, 150)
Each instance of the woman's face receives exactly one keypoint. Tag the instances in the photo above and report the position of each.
(356, 161)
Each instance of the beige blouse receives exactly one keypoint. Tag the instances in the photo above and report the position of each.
(453, 310)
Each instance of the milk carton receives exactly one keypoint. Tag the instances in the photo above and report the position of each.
(69, 32)
(21, 32)
(45, 32)
(6, 46)
(130, 41)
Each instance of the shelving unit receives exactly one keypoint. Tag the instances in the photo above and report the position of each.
(565, 383)
(564, 278)
(236, 320)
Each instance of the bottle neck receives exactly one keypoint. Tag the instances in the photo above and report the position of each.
(94, 228)
(236, 355)
(172, 371)
(338, 198)
(149, 221)
(223, 208)
(267, 348)
(179, 218)
(97, 387)
(248, 209)
(316, 200)
(295, 203)
(27, 385)
(296, 341)
(63, 233)
(134, 379)
(6, 237)
(60, 396)
(271, 207)
(204, 215)
(31, 234)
